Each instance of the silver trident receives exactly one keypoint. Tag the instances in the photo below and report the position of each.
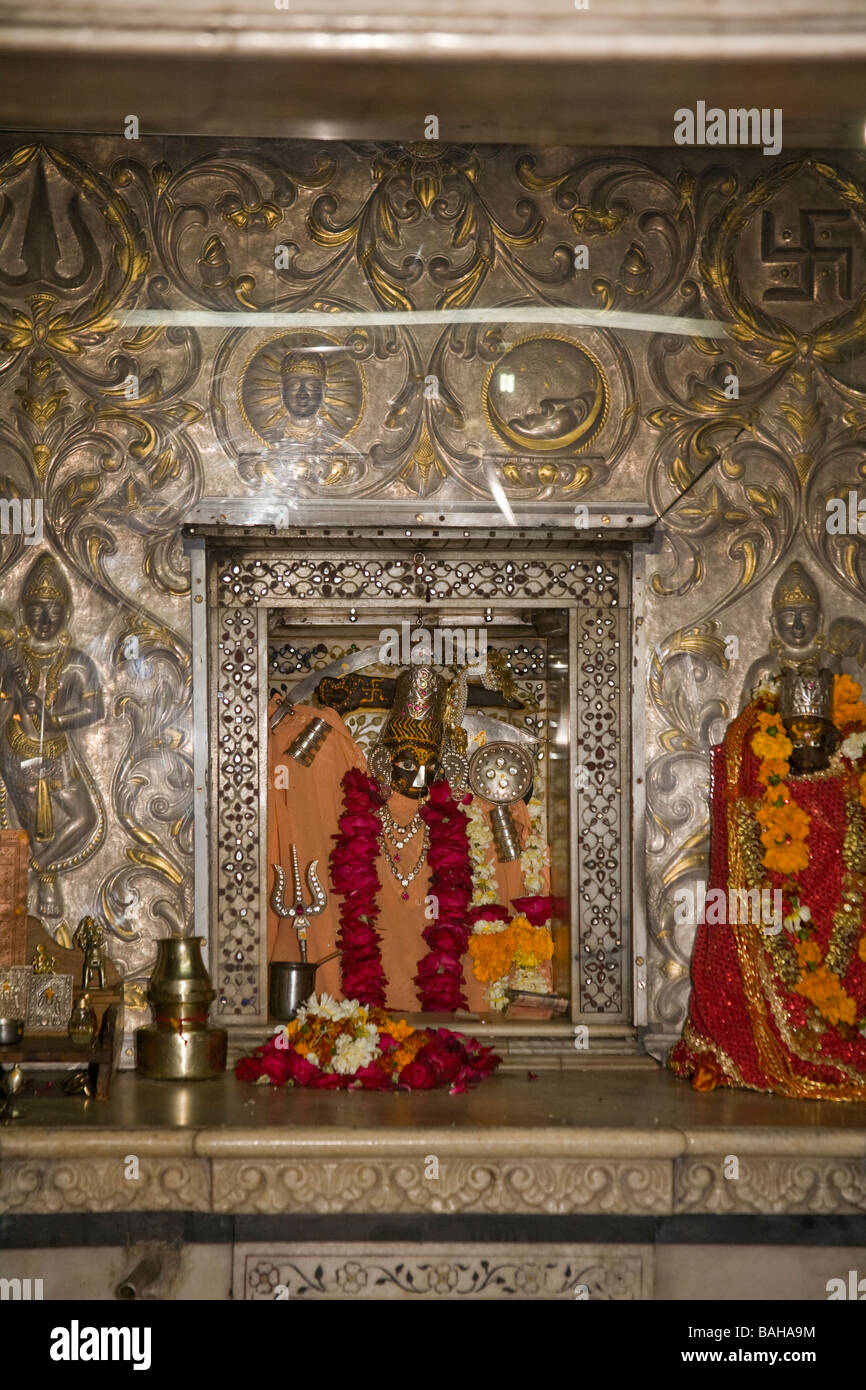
(300, 910)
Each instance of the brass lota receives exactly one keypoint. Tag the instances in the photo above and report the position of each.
(180, 1045)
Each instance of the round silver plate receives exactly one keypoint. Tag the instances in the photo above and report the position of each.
(501, 772)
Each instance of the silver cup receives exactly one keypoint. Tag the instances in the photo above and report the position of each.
(291, 982)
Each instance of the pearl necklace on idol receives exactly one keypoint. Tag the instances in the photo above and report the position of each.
(400, 835)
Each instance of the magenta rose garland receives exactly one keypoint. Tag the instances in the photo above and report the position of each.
(356, 882)
(537, 909)
(440, 973)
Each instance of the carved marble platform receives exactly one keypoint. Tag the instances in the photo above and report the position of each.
(588, 1142)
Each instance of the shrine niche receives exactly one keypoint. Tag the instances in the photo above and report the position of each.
(342, 684)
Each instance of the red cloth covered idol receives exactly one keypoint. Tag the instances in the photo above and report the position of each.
(779, 966)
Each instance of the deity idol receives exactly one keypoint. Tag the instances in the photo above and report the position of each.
(50, 689)
(779, 997)
(412, 862)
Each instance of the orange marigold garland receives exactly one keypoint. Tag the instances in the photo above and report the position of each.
(848, 709)
(784, 824)
(520, 945)
(707, 1074)
(785, 834)
(511, 949)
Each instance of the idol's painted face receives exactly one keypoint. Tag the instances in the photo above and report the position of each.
(814, 740)
(797, 625)
(44, 618)
(413, 770)
(303, 395)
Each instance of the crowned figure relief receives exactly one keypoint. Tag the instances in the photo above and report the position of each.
(50, 689)
(779, 967)
(795, 622)
(300, 389)
(420, 874)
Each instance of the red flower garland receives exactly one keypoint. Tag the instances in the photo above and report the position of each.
(353, 874)
(444, 1059)
(440, 973)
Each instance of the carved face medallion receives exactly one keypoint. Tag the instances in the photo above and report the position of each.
(301, 386)
(545, 394)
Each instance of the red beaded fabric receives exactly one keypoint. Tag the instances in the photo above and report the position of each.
(749, 1025)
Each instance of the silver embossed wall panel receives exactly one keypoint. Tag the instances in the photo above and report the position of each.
(737, 434)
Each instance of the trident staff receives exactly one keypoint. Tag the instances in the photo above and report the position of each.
(299, 910)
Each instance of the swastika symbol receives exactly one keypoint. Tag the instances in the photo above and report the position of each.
(815, 249)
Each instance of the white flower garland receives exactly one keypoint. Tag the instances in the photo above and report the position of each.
(533, 861)
(536, 852)
(485, 889)
(853, 746)
(350, 1053)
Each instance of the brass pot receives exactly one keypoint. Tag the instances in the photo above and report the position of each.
(180, 1045)
(179, 976)
(175, 1056)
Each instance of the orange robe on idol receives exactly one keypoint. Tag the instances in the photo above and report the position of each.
(306, 814)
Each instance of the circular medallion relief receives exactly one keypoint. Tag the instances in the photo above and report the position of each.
(301, 387)
(546, 393)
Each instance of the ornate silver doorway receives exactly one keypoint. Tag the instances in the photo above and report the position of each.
(560, 603)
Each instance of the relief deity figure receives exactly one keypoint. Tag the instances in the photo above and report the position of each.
(796, 622)
(49, 688)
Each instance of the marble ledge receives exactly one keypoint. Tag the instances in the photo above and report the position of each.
(357, 1143)
(599, 1143)
(598, 1114)
(813, 1141)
